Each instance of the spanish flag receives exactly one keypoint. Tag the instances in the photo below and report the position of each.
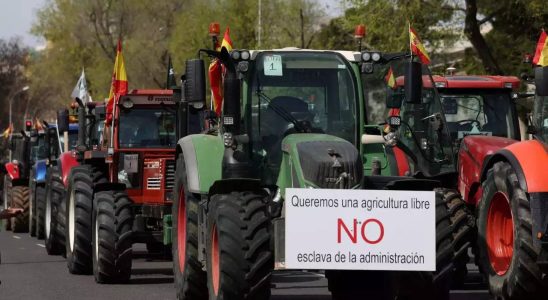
(119, 85)
(8, 131)
(215, 72)
(417, 47)
(541, 54)
(390, 79)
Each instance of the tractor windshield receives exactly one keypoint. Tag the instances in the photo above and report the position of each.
(38, 150)
(422, 135)
(73, 140)
(480, 112)
(540, 117)
(146, 128)
(300, 92)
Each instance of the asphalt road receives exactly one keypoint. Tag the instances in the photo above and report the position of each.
(27, 272)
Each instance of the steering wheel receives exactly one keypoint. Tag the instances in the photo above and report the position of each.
(469, 122)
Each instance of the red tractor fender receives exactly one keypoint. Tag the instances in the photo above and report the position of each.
(473, 152)
(529, 159)
(13, 170)
(67, 161)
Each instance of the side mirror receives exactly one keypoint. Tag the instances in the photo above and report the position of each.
(393, 98)
(194, 85)
(413, 83)
(541, 81)
(63, 120)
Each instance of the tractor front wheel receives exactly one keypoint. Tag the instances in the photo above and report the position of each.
(238, 257)
(54, 224)
(190, 279)
(40, 197)
(507, 254)
(112, 228)
(32, 206)
(20, 199)
(78, 228)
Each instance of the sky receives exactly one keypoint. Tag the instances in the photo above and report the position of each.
(17, 16)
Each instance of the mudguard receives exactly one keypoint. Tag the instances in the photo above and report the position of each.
(472, 153)
(529, 159)
(67, 161)
(203, 155)
(12, 169)
(40, 168)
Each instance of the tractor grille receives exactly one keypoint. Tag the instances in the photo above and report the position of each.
(170, 174)
(154, 183)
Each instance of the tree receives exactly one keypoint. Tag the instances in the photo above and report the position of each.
(13, 62)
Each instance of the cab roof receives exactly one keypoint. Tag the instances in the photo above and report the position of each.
(476, 82)
(352, 56)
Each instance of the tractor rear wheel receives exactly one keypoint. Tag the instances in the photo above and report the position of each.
(434, 285)
(20, 199)
(78, 227)
(506, 252)
(238, 257)
(190, 279)
(112, 228)
(40, 203)
(54, 225)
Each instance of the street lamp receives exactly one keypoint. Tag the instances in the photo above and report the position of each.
(25, 88)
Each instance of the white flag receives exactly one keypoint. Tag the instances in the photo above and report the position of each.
(81, 89)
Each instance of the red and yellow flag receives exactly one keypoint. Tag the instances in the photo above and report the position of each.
(390, 79)
(119, 85)
(8, 131)
(541, 54)
(216, 72)
(417, 47)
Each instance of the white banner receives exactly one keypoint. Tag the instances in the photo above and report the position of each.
(360, 229)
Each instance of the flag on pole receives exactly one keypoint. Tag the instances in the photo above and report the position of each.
(216, 72)
(38, 125)
(390, 79)
(541, 54)
(417, 47)
(8, 131)
(170, 80)
(119, 85)
(80, 91)
(227, 42)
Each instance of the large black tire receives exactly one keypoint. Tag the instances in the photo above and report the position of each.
(239, 258)
(40, 207)
(504, 215)
(463, 224)
(7, 200)
(20, 199)
(190, 279)
(54, 214)
(32, 205)
(78, 214)
(434, 285)
(112, 228)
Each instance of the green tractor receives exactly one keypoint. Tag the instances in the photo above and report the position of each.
(281, 185)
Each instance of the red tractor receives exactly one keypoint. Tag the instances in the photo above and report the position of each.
(121, 193)
(506, 181)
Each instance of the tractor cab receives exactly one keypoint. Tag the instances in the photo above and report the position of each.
(287, 93)
(539, 120)
(144, 143)
(416, 136)
(479, 105)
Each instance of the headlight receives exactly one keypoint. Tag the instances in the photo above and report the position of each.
(376, 56)
(245, 55)
(235, 55)
(127, 103)
(366, 56)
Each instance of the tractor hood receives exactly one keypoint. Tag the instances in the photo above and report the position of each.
(319, 161)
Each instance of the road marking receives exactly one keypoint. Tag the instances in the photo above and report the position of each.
(16, 237)
(41, 245)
